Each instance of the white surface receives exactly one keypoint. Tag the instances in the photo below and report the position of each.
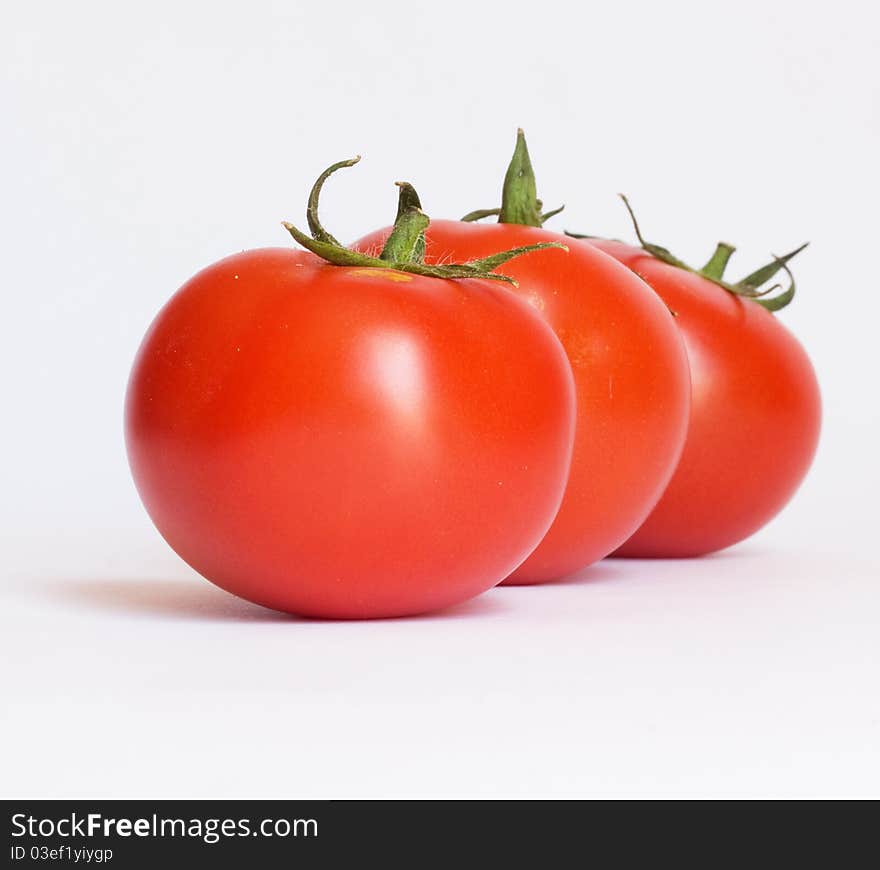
(750, 674)
(144, 142)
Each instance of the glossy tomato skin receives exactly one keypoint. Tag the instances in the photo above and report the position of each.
(631, 378)
(344, 442)
(755, 416)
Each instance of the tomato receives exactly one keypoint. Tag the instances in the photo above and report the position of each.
(755, 414)
(342, 441)
(631, 379)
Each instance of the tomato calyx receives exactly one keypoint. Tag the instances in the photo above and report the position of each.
(404, 250)
(751, 287)
(519, 195)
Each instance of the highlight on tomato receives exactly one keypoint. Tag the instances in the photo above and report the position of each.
(627, 358)
(755, 410)
(339, 435)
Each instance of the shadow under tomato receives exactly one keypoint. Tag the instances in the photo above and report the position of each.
(736, 552)
(619, 569)
(598, 572)
(174, 599)
(199, 600)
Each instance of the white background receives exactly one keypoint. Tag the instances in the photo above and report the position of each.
(143, 141)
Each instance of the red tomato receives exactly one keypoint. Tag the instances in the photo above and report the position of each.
(754, 418)
(631, 378)
(349, 442)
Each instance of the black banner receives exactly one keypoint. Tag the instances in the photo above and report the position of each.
(413, 834)
(135, 834)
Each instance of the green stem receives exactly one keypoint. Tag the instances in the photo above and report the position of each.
(718, 261)
(481, 213)
(405, 247)
(783, 299)
(658, 251)
(318, 232)
(407, 200)
(406, 236)
(765, 273)
(519, 196)
(552, 213)
(749, 287)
